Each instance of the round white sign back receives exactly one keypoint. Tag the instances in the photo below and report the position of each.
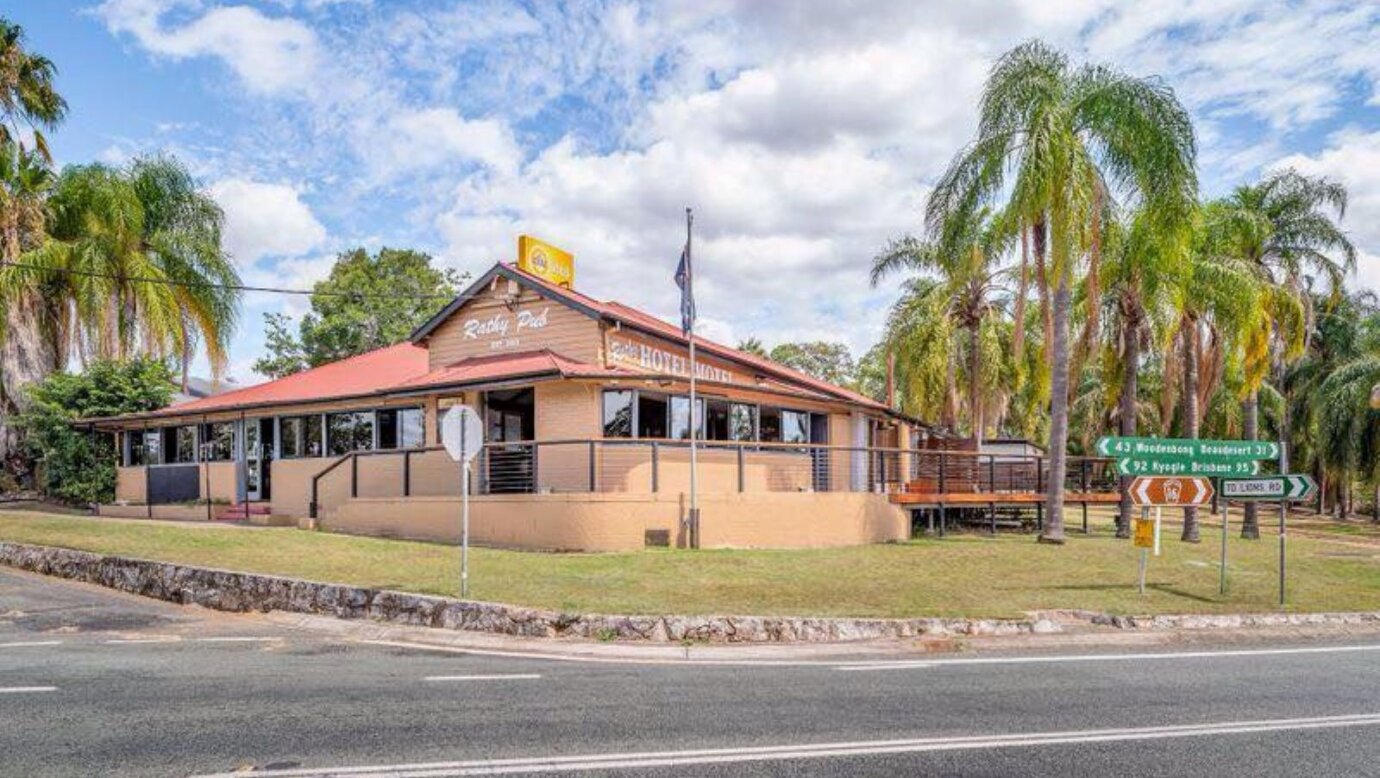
(462, 433)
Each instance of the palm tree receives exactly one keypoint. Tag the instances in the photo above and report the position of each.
(27, 99)
(1059, 142)
(1145, 270)
(1220, 318)
(138, 263)
(1282, 225)
(963, 257)
(26, 355)
(1334, 433)
(27, 95)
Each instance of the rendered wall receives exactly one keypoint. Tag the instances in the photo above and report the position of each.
(131, 483)
(618, 522)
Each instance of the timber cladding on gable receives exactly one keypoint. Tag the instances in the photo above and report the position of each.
(489, 326)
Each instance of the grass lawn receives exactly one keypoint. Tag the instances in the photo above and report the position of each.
(968, 575)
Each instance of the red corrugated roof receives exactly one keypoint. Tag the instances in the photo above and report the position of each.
(629, 315)
(500, 366)
(404, 367)
(368, 373)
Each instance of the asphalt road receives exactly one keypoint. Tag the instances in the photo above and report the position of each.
(94, 682)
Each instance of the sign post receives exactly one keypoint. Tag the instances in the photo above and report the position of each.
(1285, 488)
(1162, 492)
(463, 436)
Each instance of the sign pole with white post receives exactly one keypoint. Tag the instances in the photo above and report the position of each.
(462, 434)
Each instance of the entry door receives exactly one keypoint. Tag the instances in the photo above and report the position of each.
(820, 465)
(253, 460)
(510, 418)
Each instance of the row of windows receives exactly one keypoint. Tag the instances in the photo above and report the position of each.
(631, 413)
(299, 436)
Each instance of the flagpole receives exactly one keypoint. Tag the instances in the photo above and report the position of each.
(694, 421)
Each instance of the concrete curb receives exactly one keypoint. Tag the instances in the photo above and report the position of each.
(229, 590)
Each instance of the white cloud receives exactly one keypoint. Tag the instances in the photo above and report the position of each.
(1353, 158)
(269, 55)
(438, 136)
(804, 134)
(265, 220)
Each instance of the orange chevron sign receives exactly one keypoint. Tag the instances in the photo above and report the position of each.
(1168, 491)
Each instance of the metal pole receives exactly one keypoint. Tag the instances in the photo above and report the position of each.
(694, 447)
(465, 530)
(1283, 512)
(1144, 552)
(203, 449)
(1226, 515)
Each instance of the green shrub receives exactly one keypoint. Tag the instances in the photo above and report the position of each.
(72, 464)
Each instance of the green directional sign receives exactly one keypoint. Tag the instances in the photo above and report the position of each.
(1139, 466)
(1294, 488)
(1187, 449)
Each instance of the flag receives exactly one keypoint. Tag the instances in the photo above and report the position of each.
(685, 279)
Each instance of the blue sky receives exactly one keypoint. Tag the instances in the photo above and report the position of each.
(804, 134)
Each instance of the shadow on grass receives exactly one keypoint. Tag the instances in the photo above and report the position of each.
(1131, 587)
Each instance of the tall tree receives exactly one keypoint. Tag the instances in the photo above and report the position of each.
(1285, 227)
(1059, 141)
(135, 263)
(963, 255)
(29, 104)
(367, 302)
(29, 100)
(1146, 269)
(826, 361)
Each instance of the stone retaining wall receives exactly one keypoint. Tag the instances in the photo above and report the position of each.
(235, 591)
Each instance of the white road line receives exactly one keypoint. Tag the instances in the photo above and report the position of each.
(491, 677)
(1061, 658)
(140, 641)
(238, 640)
(26, 689)
(880, 664)
(611, 660)
(31, 644)
(650, 759)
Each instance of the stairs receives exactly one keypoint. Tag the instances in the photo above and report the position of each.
(243, 511)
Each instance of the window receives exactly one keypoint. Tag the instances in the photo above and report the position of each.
(400, 427)
(299, 436)
(716, 420)
(346, 432)
(411, 428)
(651, 416)
(742, 421)
(144, 447)
(179, 444)
(618, 413)
(769, 425)
(795, 427)
(680, 417)
(388, 427)
(219, 439)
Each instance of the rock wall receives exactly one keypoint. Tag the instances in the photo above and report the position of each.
(241, 592)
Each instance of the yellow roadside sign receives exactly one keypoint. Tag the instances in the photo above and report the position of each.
(544, 260)
(1144, 533)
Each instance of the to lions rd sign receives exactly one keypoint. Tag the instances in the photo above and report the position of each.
(1171, 491)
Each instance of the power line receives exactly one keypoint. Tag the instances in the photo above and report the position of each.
(231, 287)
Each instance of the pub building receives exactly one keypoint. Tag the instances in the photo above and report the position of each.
(587, 426)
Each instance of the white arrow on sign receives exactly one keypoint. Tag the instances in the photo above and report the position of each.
(1295, 488)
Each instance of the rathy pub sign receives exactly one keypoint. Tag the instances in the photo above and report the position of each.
(504, 329)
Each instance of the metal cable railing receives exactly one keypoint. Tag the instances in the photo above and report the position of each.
(614, 465)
